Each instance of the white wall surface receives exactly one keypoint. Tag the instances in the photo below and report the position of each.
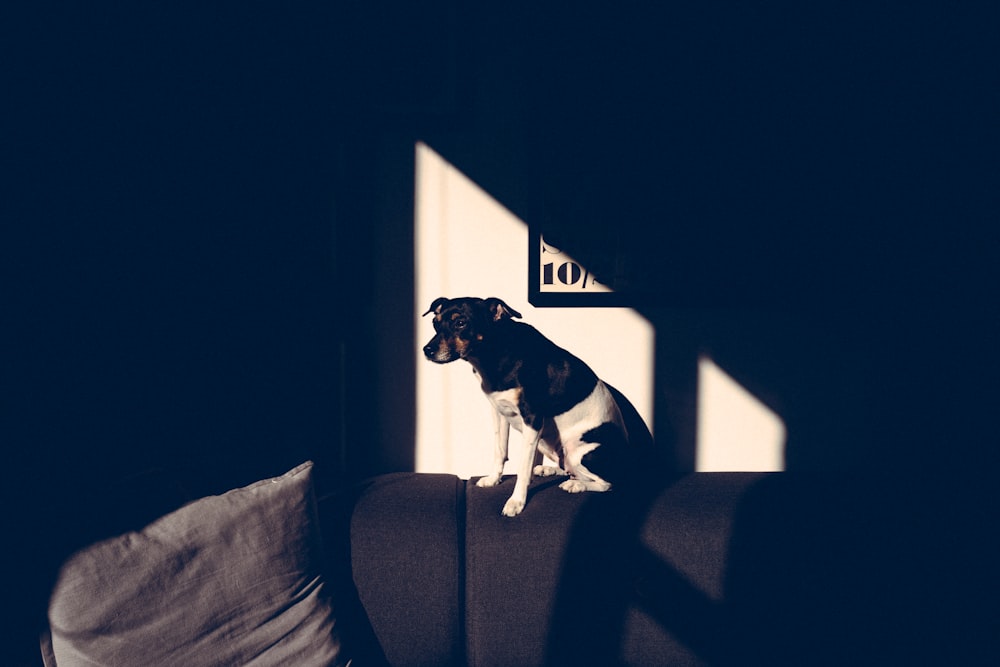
(736, 431)
(467, 244)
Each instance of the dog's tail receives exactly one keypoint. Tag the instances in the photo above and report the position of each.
(639, 456)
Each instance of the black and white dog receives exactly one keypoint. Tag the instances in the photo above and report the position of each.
(561, 408)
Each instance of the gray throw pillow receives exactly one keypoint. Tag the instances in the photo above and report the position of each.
(227, 580)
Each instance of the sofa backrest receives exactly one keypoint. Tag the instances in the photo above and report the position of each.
(407, 564)
(705, 569)
(444, 579)
(599, 578)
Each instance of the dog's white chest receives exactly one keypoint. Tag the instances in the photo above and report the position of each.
(506, 403)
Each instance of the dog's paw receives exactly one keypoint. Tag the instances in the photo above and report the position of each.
(573, 486)
(547, 471)
(513, 507)
(488, 481)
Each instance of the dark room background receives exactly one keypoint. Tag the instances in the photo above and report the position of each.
(208, 220)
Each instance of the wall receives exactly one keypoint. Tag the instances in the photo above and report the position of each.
(801, 203)
(802, 197)
(467, 244)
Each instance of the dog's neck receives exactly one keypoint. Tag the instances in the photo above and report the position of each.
(495, 368)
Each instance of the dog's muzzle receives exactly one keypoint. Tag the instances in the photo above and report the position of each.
(439, 351)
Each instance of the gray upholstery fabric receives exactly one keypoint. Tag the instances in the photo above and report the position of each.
(227, 580)
(513, 567)
(405, 538)
(629, 577)
(704, 569)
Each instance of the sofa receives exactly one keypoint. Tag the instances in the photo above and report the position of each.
(421, 569)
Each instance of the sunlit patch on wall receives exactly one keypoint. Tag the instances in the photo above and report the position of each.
(469, 244)
(736, 431)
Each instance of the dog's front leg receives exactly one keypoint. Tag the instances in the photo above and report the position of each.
(519, 497)
(501, 433)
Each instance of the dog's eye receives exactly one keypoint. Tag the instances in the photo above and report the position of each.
(460, 323)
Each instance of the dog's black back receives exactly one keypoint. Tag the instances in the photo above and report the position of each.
(552, 379)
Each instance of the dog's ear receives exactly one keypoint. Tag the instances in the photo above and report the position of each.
(500, 309)
(436, 305)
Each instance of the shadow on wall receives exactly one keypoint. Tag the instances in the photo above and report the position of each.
(712, 423)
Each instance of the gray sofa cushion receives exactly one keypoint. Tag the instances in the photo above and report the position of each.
(629, 577)
(227, 580)
(405, 533)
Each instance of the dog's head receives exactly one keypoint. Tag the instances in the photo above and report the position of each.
(460, 325)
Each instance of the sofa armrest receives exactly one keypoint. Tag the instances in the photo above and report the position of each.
(406, 559)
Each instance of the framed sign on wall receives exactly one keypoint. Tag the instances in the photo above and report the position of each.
(557, 279)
